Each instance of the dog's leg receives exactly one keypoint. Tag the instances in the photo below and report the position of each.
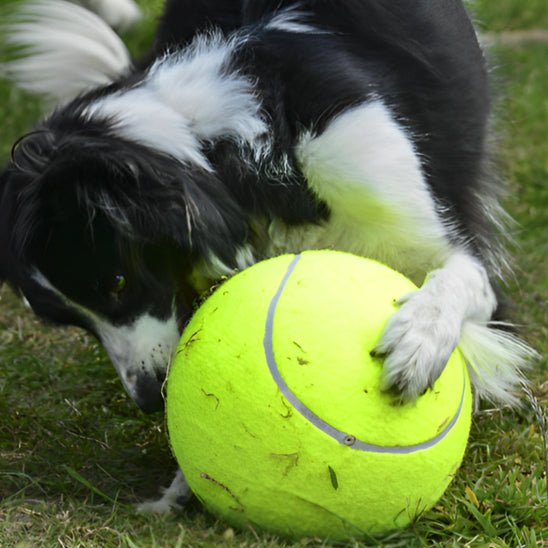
(454, 306)
(173, 497)
(420, 337)
(365, 167)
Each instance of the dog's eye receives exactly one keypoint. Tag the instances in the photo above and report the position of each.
(119, 284)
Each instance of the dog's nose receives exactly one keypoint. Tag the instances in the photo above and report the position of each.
(148, 393)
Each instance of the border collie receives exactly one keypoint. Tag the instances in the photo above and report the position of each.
(254, 128)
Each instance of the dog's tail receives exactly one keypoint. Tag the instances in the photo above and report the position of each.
(61, 50)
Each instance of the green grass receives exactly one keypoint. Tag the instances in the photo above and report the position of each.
(71, 442)
(505, 15)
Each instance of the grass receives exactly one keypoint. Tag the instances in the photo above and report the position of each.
(75, 454)
(511, 14)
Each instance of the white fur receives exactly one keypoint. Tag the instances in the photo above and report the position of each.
(66, 50)
(365, 167)
(141, 348)
(172, 498)
(187, 98)
(214, 269)
(139, 115)
(215, 99)
(453, 307)
(120, 14)
(244, 257)
(421, 336)
(291, 20)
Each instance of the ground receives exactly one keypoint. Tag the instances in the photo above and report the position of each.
(75, 454)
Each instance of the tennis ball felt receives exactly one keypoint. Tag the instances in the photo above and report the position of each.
(274, 409)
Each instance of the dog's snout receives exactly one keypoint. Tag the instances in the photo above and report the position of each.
(147, 392)
(141, 353)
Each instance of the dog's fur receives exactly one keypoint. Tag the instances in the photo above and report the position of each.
(253, 128)
(119, 14)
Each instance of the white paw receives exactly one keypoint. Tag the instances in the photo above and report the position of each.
(173, 498)
(160, 506)
(417, 343)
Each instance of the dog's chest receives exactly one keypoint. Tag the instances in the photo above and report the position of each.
(398, 246)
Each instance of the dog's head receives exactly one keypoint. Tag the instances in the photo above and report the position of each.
(105, 233)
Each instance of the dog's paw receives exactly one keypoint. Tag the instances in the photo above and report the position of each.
(416, 344)
(160, 506)
(173, 499)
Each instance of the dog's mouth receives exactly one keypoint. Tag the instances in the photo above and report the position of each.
(143, 373)
(144, 388)
(149, 397)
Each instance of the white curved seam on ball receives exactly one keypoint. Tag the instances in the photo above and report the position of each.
(342, 437)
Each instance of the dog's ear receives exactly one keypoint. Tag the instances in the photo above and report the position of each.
(192, 208)
(153, 198)
(201, 213)
(146, 196)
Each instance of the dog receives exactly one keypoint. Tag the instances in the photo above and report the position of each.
(251, 129)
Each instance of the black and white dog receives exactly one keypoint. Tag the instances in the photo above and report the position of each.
(254, 128)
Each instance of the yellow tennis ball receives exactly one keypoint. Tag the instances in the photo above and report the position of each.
(274, 409)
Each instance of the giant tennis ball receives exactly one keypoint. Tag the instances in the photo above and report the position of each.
(275, 413)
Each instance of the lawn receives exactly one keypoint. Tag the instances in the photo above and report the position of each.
(75, 454)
